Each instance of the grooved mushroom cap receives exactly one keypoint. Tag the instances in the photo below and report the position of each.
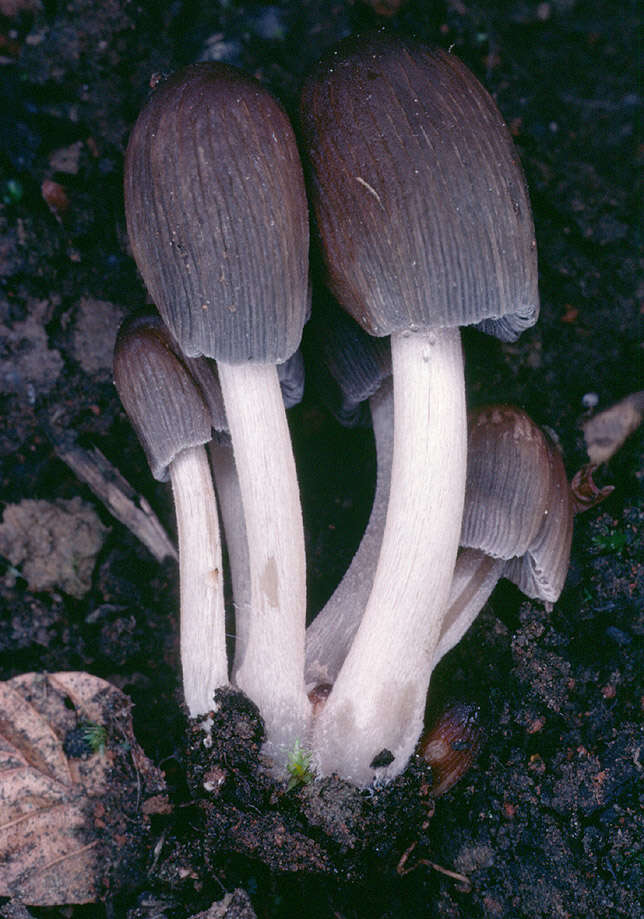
(517, 500)
(508, 481)
(204, 372)
(165, 406)
(418, 193)
(292, 377)
(348, 365)
(217, 215)
(541, 572)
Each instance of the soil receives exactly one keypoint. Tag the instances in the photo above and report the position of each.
(546, 822)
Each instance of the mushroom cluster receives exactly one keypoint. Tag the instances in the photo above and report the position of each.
(423, 221)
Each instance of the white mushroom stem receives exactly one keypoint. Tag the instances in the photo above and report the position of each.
(272, 670)
(329, 636)
(377, 702)
(232, 516)
(476, 574)
(475, 577)
(202, 625)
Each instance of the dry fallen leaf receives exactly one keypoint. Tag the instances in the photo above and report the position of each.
(606, 432)
(72, 779)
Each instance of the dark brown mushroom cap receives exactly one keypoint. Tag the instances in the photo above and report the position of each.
(419, 197)
(517, 500)
(217, 215)
(292, 377)
(204, 372)
(164, 404)
(347, 365)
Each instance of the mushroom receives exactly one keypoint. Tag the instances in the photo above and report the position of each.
(172, 420)
(517, 521)
(217, 218)
(425, 225)
(360, 368)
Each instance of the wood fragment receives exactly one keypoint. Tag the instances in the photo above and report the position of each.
(606, 432)
(464, 883)
(118, 496)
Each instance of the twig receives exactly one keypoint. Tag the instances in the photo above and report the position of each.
(118, 496)
(402, 870)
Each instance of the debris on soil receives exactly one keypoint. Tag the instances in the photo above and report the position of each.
(72, 784)
(53, 544)
(585, 493)
(451, 743)
(606, 432)
(95, 331)
(107, 483)
(29, 366)
(235, 905)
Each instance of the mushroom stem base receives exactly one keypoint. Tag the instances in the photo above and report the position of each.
(378, 700)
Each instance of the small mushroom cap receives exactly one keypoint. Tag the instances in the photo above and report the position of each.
(419, 197)
(165, 405)
(541, 572)
(508, 481)
(347, 365)
(292, 377)
(217, 215)
(518, 504)
(204, 372)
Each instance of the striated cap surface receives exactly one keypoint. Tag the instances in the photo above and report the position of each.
(347, 365)
(419, 197)
(217, 215)
(518, 504)
(162, 399)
